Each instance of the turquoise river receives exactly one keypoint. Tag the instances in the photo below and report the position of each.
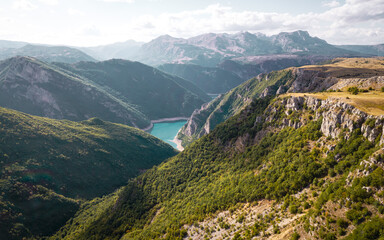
(167, 131)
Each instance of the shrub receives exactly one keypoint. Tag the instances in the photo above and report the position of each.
(295, 236)
(353, 90)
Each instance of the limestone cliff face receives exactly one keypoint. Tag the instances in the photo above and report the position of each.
(337, 117)
(307, 80)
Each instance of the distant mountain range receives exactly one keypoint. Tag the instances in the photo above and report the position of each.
(45, 53)
(116, 90)
(375, 50)
(207, 49)
(123, 50)
(211, 49)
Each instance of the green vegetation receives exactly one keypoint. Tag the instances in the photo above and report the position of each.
(117, 91)
(49, 166)
(210, 80)
(373, 229)
(152, 92)
(208, 177)
(232, 103)
(353, 90)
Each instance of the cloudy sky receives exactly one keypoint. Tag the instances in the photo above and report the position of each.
(96, 22)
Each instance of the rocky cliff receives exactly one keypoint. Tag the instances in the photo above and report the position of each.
(339, 74)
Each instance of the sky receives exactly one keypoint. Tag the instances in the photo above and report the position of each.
(99, 22)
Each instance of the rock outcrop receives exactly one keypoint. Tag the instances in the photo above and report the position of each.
(337, 117)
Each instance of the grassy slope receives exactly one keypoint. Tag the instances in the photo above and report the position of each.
(351, 67)
(45, 162)
(371, 102)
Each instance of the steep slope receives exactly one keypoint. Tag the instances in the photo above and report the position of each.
(210, 80)
(47, 53)
(117, 90)
(288, 167)
(48, 165)
(338, 74)
(34, 87)
(156, 94)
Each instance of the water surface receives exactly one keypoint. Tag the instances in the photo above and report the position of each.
(167, 131)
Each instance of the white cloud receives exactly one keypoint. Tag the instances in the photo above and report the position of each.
(356, 21)
(23, 5)
(49, 2)
(75, 12)
(118, 1)
(91, 31)
(349, 22)
(331, 4)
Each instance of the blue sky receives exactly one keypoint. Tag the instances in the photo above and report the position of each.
(96, 22)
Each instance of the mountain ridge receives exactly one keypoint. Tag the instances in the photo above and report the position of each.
(115, 90)
(210, 49)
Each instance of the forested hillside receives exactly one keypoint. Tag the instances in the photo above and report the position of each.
(285, 168)
(48, 167)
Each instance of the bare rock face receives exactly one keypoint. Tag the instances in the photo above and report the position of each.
(281, 90)
(371, 133)
(268, 91)
(311, 81)
(375, 82)
(336, 116)
(192, 125)
(339, 116)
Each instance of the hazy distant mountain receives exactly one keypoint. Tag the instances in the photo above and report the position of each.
(375, 50)
(47, 53)
(251, 66)
(210, 80)
(117, 90)
(11, 44)
(211, 49)
(123, 50)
